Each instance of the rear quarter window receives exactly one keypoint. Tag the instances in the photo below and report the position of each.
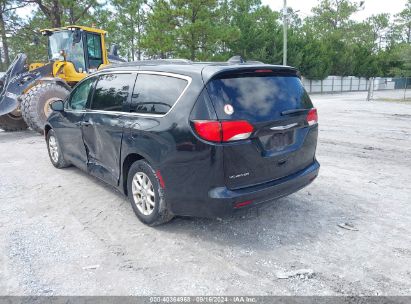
(156, 94)
(256, 98)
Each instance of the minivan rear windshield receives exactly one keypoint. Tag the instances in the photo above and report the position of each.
(257, 97)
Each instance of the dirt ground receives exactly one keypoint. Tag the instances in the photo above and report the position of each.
(63, 232)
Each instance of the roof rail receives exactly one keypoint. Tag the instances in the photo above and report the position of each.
(254, 62)
(148, 62)
(239, 59)
(177, 60)
(236, 59)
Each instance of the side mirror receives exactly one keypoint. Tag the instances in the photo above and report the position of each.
(57, 105)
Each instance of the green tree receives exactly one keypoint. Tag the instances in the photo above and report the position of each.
(128, 20)
(331, 24)
(403, 23)
(160, 37)
(190, 29)
(59, 12)
(26, 37)
(316, 60)
(296, 40)
(380, 29)
(400, 60)
(28, 40)
(329, 42)
(8, 21)
(244, 16)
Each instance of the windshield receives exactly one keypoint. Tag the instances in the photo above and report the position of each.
(65, 40)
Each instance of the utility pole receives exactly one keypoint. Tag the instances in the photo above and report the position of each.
(370, 89)
(285, 25)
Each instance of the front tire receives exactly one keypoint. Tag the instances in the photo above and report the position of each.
(54, 149)
(146, 196)
(35, 105)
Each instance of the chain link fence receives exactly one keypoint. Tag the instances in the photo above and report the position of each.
(378, 88)
(390, 89)
(336, 84)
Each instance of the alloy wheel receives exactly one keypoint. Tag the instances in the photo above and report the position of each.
(53, 148)
(143, 193)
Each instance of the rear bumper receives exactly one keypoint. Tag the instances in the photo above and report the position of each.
(222, 201)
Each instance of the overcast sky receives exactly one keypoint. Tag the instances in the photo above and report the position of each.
(371, 7)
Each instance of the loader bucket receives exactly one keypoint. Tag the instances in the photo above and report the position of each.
(16, 80)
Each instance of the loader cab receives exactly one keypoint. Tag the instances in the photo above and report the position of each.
(82, 46)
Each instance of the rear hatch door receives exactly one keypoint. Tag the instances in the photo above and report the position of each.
(276, 104)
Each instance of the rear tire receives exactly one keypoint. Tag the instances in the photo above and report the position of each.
(55, 152)
(35, 105)
(10, 123)
(154, 211)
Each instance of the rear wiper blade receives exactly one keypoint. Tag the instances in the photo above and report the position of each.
(288, 112)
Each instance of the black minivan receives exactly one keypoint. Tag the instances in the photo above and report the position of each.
(191, 139)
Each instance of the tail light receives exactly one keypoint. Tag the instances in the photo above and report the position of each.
(236, 130)
(312, 117)
(208, 130)
(223, 131)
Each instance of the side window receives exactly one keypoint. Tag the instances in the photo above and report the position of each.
(94, 55)
(79, 97)
(156, 94)
(111, 92)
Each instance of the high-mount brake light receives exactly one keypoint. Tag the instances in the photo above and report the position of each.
(312, 117)
(263, 71)
(223, 131)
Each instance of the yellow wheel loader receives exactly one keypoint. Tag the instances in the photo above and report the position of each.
(27, 90)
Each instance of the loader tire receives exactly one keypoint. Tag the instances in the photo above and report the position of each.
(10, 123)
(35, 105)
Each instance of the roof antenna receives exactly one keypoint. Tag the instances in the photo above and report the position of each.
(236, 59)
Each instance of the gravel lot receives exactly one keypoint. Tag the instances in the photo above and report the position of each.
(63, 232)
